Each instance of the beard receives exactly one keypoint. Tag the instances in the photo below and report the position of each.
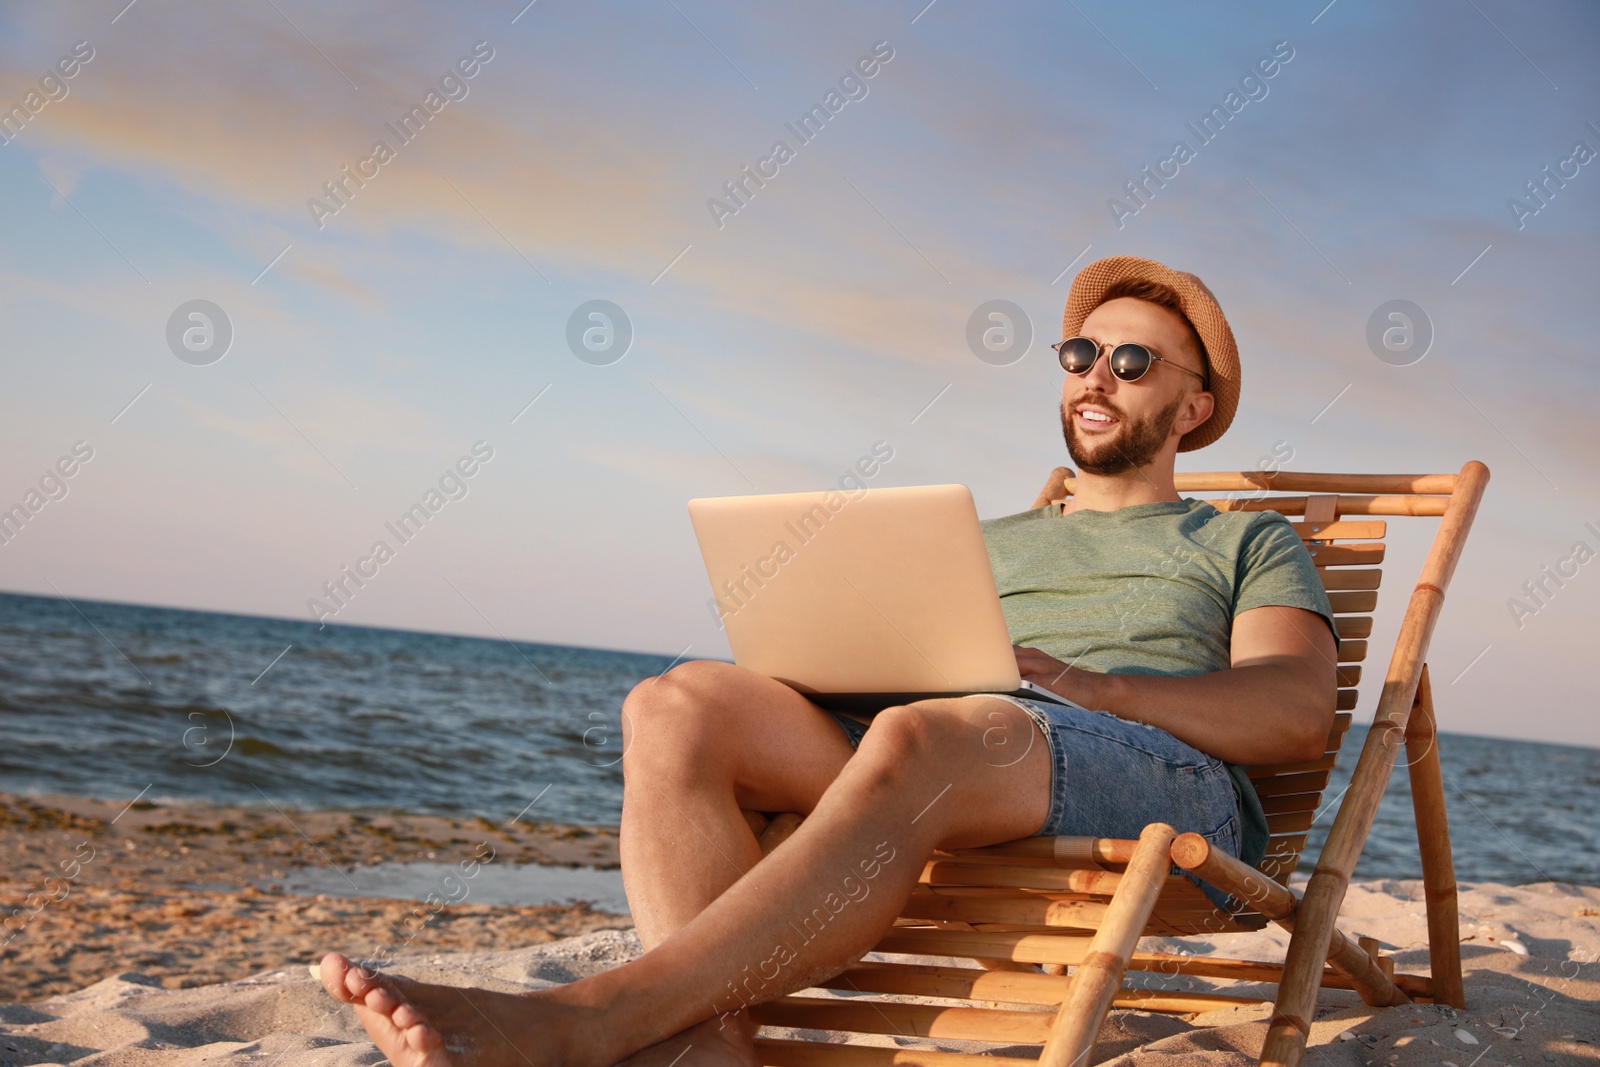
(1130, 446)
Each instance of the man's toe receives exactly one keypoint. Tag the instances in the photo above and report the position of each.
(331, 973)
(383, 1001)
(381, 1028)
(359, 981)
(424, 1039)
(406, 1016)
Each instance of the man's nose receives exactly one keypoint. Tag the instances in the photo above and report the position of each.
(1100, 375)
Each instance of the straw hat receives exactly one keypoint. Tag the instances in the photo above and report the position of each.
(1221, 354)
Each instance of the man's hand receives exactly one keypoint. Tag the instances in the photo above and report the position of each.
(1273, 704)
(1077, 685)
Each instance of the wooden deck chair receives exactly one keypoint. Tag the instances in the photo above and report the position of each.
(1083, 903)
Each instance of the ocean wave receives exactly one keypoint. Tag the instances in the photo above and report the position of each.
(372, 719)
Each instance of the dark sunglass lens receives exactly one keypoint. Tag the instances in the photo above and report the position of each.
(1078, 354)
(1130, 361)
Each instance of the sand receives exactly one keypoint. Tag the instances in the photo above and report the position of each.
(121, 973)
(1533, 990)
(191, 894)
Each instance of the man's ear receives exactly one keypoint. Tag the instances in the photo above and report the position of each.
(1196, 411)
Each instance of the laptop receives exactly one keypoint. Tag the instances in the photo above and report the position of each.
(860, 599)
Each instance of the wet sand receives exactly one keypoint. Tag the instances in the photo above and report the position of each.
(191, 894)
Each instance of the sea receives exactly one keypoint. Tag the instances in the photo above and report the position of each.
(119, 701)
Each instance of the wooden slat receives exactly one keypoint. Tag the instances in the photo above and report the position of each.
(1188, 913)
(997, 858)
(1069, 950)
(1216, 922)
(1290, 822)
(947, 872)
(1066, 949)
(1077, 852)
(925, 904)
(907, 1020)
(1314, 482)
(1347, 700)
(1161, 1000)
(1346, 555)
(1012, 893)
(1031, 910)
(781, 1053)
(1007, 892)
(1351, 578)
(1370, 530)
(1353, 626)
(1351, 602)
(1349, 676)
(967, 983)
(1341, 724)
(1321, 763)
(1257, 481)
(1281, 805)
(1075, 914)
(1017, 928)
(1277, 784)
(1351, 651)
(1348, 505)
(1280, 868)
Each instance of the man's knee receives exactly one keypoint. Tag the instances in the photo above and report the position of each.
(988, 751)
(692, 684)
(682, 709)
(959, 732)
(912, 735)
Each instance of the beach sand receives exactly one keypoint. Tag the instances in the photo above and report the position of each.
(184, 894)
(128, 969)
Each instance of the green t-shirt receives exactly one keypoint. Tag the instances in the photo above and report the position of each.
(1150, 589)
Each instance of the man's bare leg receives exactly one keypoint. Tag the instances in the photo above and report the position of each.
(950, 773)
(702, 744)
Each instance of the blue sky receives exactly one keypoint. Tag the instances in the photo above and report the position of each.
(770, 352)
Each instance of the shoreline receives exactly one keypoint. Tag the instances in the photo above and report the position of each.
(191, 892)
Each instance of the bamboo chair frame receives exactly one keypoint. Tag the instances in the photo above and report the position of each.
(1028, 910)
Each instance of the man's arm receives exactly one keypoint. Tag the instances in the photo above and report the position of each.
(1274, 704)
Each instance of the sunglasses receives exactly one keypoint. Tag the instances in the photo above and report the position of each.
(1129, 361)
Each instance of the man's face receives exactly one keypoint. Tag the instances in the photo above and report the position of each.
(1147, 416)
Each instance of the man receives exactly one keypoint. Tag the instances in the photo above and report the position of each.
(1203, 640)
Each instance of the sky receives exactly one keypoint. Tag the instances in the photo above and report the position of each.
(374, 317)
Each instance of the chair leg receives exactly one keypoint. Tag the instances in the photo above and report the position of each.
(1099, 976)
(1370, 978)
(1433, 840)
(1295, 1004)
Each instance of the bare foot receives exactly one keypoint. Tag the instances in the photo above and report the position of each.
(721, 1041)
(416, 1024)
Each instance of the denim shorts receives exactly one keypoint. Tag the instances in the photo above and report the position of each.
(1110, 777)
